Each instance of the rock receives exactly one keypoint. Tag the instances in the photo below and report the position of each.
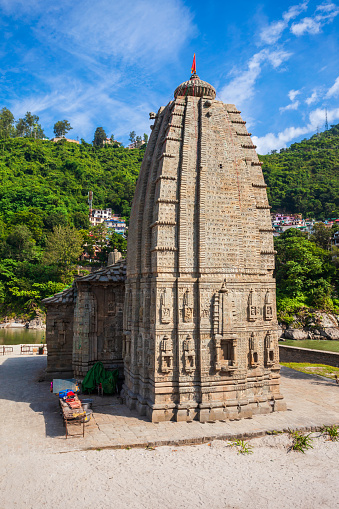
(296, 334)
(330, 333)
(326, 319)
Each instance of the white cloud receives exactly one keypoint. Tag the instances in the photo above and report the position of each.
(312, 98)
(273, 141)
(313, 25)
(292, 94)
(241, 88)
(292, 106)
(272, 32)
(334, 90)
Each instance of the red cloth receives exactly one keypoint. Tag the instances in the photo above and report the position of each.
(194, 67)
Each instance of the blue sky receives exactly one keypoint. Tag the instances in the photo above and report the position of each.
(109, 63)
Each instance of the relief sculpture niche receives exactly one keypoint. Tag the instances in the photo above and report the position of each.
(166, 355)
(189, 354)
(187, 308)
(165, 311)
(252, 310)
(268, 307)
(224, 339)
(269, 350)
(253, 353)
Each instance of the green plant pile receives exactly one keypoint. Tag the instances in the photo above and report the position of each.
(305, 177)
(44, 224)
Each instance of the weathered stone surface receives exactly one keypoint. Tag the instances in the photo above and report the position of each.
(84, 323)
(200, 327)
(330, 333)
(296, 334)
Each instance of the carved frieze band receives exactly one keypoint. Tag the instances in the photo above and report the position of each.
(165, 154)
(163, 223)
(234, 111)
(244, 145)
(257, 184)
(171, 138)
(268, 252)
(164, 248)
(262, 206)
(244, 134)
(266, 230)
(165, 177)
(238, 121)
(166, 200)
(257, 163)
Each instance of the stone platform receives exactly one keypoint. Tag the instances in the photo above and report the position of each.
(30, 419)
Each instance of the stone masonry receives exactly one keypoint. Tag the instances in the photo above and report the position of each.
(200, 323)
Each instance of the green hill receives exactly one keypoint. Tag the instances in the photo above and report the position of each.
(305, 177)
(51, 180)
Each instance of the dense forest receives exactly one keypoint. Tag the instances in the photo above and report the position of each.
(305, 177)
(44, 223)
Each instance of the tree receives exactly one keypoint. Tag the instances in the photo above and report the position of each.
(7, 128)
(29, 127)
(19, 244)
(132, 136)
(99, 137)
(61, 128)
(138, 141)
(63, 248)
(145, 138)
(321, 235)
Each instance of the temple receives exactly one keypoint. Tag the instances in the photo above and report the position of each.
(199, 334)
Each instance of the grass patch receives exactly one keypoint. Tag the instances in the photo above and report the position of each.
(332, 432)
(301, 442)
(243, 447)
(313, 369)
(313, 344)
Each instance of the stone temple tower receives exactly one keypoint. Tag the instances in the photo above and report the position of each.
(200, 327)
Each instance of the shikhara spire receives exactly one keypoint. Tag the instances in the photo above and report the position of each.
(200, 323)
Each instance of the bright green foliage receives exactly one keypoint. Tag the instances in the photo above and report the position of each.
(53, 180)
(301, 442)
(63, 248)
(44, 191)
(305, 177)
(313, 369)
(305, 273)
(332, 432)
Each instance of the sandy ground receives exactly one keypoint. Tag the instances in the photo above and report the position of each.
(214, 476)
(40, 469)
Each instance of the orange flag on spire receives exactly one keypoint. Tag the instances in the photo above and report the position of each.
(193, 68)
